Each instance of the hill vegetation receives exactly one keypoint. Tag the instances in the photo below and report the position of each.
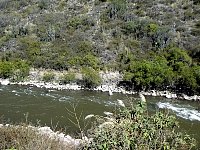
(155, 44)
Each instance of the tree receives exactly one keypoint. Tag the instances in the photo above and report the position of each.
(175, 55)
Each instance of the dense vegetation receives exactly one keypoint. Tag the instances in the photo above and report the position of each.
(16, 70)
(133, 128)
(154, 43)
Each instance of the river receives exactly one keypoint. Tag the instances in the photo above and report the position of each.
(51, 107)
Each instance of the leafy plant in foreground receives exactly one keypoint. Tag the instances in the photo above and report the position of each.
(134, 128)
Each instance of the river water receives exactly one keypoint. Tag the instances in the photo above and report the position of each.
(52, 107)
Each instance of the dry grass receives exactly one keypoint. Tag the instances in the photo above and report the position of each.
(24, 137)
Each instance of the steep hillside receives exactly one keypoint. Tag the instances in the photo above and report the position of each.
(155, 43)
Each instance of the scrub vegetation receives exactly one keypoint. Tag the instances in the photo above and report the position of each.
(155, 44)
(134, 128)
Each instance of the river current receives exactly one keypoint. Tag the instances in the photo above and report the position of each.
(52, 107)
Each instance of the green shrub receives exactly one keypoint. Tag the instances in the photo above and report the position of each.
(152, 28)
(43, 4)
(21, 70)
(90, 61)
(48, 77)
(91, 78)
(175, 55)
(75, 61)
(82, 22)
(185, 76)
(149, 74)
(74, 22)
(117, 8)
(68, 78)
(6, 69)
(16, 70)
(196, 70)
(84, 47)
(132, 44)
(130, 28)
(134, 128)
(166, 69)
(30, 49)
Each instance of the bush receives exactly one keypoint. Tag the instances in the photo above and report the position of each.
(90, 61)
(48, 77)
(21, 70)
(149, 74)
(82, 22)
(6, 69)
(171, 69)
(84, 47)
(134, 128)
(175, 55)
(16, 70)
(91, 78)
(75, 61)
(132, 44)
(68, 78)
(117, 8)
(30, 49)
(43, 4)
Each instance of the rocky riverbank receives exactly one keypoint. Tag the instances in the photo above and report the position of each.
(109, 84)
(59, 139)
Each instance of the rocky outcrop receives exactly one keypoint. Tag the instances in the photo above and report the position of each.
(64, 139)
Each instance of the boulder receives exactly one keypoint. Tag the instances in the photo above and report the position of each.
(4, 81)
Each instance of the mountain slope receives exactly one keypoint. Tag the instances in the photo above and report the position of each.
(111, 34)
